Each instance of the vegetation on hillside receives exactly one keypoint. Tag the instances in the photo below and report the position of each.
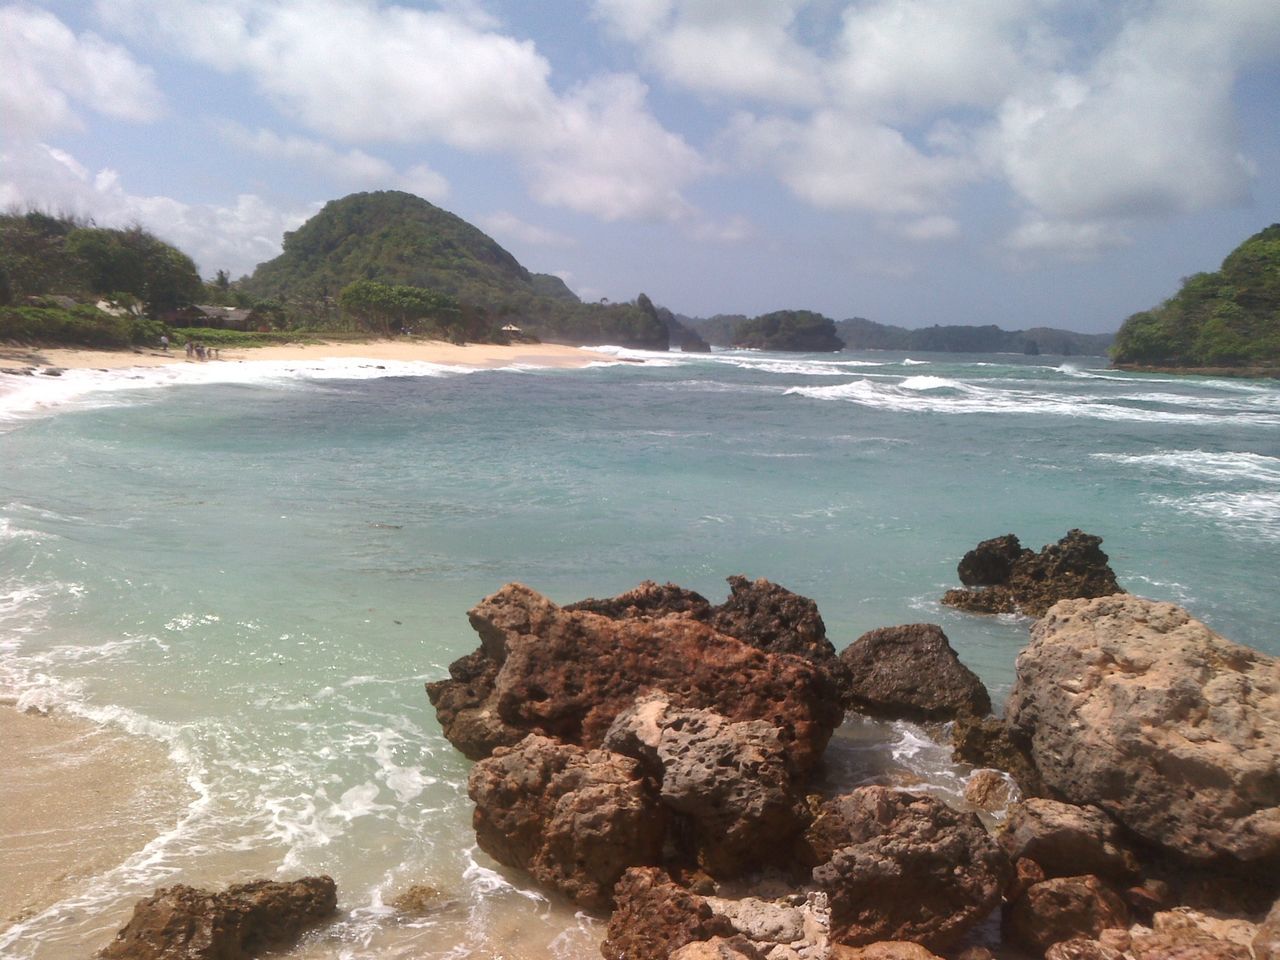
(862, 334)
(1223, 319)
(801, 330)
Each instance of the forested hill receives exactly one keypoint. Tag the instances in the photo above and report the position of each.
(395, 237)
(860, 334)
(1230, 318)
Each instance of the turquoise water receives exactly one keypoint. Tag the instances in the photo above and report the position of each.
(261, 564)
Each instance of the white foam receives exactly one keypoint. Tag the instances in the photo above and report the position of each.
(1208, 465)
(908, 362)
(932, 383)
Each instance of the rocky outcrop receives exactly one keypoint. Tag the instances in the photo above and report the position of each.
(1066, 840)
(1002, 577)
(467, 708)
(1134, 706)
(911, 672)
(649, 599)
(718, 948)
(728, 782)
(655, 917)
(568, 673)
(574, 819)
(1063, 908)
(185, 923)
(899, 866)
(989, 742)
(773, 619)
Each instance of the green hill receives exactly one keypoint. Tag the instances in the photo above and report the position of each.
(396, 238)
(798, 330)
(862, 334)
(1230, 318)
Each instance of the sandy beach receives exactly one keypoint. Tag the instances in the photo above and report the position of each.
(484, 355)
(75, 801)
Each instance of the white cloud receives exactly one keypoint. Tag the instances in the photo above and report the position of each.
(911, 55)
(743, 48)
(936, 227)
(1074, 241)
(506, 226)
(49, 72)
(840, 162)
(235, 238)
(735, 229)
(349, 168)
(359, 72)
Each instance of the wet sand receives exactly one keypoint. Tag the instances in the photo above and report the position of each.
(486, 355)
(75, 801)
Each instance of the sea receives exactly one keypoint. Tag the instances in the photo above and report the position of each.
(257, 566)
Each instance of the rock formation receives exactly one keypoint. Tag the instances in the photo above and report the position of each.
(990, 742)
(1067, 840)
(575, 819)
(1133, 706)
(656, 916)
(1063, 908)
(1000, 576)
(728, 781)
(184, 923)
(911, 672)
(900, 866)
(568, 673)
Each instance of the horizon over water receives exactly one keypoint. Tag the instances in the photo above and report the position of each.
(259, 565)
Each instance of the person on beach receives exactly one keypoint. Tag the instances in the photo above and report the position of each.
(200, 352)
(191, 349)
(164, 342)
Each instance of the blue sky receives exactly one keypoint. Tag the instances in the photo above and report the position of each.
(1018, 162)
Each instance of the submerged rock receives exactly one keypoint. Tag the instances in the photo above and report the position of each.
(575, 819)
(1002, 577)
(911, 672)
(1136, 707)
(990, 742)
(900, 866)
(185, 923)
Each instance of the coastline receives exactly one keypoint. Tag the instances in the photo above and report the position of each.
(477, 355)
(1242, 373)
(76, 800)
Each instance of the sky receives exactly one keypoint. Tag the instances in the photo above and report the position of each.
(1019, 162)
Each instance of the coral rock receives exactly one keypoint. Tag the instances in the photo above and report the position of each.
(1063, 908)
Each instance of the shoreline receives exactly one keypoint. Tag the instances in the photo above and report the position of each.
(77, 800)
(26, 360)
(1263, 372)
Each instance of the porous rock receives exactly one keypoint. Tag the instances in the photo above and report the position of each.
(884, 950)
(654, 917)
(575, 819)
(185, 923)
(1063, 908)
(900, 866)
(770, 617)
(911, 672)
(719, 948)
(467, 708)
(1067, 840)
(990, 790)
(567, 674)
(1136, 707)
(729, 780)
(1081, 948)
(649, 599)
(1073, 567)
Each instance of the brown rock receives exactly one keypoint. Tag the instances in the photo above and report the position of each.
(648, 600)
(898, 866)
(466, 706)
(1184, 945)
(1081, 948)
(728, 780)
(1063, 908)
(989, 790)
(911, 672)
(575, 819)
(1073, 567)
(654, 917)
(1266, 944)
(773, 619)
(719, 948)
(1067, 840)
(884, 950)
(568, 674)
(989, 742)
(184, 923)
(1174, 731)
(1026, 874)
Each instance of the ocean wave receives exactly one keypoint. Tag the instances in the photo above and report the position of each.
(1204, 464)
(908, 362)
(1254, 513)
(939, 395)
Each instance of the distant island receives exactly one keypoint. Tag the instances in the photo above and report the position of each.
(1222, 322)
(389, 263)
